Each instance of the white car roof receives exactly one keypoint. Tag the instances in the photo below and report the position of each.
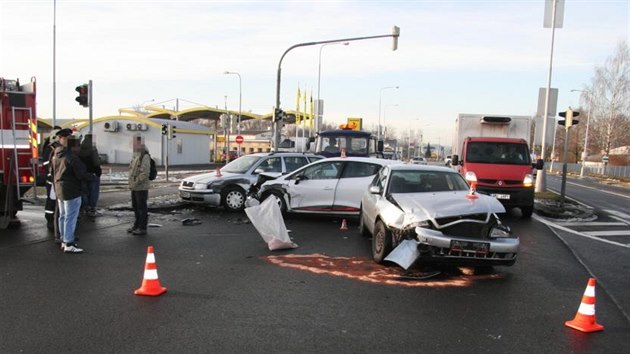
(414, 167)
(375, 160)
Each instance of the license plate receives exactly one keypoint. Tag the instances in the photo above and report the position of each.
(480, 247)
(501, 196)
(184, 194)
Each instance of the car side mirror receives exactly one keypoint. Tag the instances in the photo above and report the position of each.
(539, 165)
(298, 178)
(259, 171)
(375, 189)
(455, 160)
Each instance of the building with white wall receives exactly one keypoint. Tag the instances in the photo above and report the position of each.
(113, 136)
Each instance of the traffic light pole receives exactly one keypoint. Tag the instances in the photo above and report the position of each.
(277, 125)
(90, 104)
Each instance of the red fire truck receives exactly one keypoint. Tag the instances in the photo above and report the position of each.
(18, 146)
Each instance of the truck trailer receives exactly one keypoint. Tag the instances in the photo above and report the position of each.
(492, 151)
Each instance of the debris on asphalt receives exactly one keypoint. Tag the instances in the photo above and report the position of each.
(191, 221)
(268, 221)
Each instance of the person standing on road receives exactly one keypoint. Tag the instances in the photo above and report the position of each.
(68, 173)
(90, 190)
(51, 211)
(139, 184)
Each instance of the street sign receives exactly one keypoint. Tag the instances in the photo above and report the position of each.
(605, 158)
(239, 139)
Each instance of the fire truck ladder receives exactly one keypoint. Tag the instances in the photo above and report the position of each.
(19, 143)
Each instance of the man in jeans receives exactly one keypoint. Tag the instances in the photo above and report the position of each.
(68, 173)
(139, 184)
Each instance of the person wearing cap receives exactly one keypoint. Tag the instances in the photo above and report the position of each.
(68, 173)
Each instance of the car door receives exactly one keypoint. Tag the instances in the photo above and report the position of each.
(313, 189)
(354, 181)
(371, 201)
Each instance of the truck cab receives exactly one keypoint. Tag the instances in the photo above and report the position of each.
(330, 143)
(493, 154)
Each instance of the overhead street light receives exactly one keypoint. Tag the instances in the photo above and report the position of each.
(318, 119)
(238, 122)
(278, 124)
(380, 96)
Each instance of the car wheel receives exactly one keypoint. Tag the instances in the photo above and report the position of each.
(234, 199)
(526, 211)
(381, 242)
(362, 229)
(281, 202)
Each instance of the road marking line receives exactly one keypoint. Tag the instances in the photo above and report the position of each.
(608, 233)
(566, 229)
(619, 214)
(593, 223)
(601, 190)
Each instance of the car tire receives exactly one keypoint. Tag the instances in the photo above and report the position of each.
(527, 211)
(381, 242)
(233, 199)
(281, 202)
(362, 229)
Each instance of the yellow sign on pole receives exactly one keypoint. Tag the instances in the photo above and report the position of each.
(355, 123)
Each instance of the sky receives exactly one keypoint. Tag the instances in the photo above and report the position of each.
(454, 56)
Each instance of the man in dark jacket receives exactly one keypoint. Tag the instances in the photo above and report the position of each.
(68, 173)
(90, 190)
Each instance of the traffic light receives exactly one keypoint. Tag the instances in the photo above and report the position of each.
(170, 131)
(569, 116)
(278, 114)
(83, 98)
(164, 129)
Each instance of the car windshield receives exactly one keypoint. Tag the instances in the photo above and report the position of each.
(241, 165)
(414, 181)
(498, 153)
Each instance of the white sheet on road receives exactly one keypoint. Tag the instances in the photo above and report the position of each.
(268, 221)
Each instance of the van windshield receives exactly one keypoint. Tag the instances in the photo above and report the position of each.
(498, 153)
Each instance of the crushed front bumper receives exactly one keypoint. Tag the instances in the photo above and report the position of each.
(438, 247)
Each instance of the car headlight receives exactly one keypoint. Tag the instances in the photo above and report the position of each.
(199, 186)
(528, 181)
(500, 231)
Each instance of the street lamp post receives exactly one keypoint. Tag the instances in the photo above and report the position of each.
(318, 119)
(385, 116)
(278, 124)
(238, 122)
(588, 116)
(380, 96)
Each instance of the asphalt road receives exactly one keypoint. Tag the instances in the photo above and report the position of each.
(228, 293)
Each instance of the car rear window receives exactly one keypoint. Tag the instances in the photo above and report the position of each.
(360, 169)
(292, 163)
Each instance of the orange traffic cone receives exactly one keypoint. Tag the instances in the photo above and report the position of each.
(343, 152)
(219, 172)
(585, 318)
(150, 284)
(344, 225)
(473, 189)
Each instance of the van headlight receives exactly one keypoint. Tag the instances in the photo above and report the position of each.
(470, 177)
(528, 181)
(500, 231)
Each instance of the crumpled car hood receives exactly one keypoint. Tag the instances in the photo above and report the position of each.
(209, 177)
(426, 206)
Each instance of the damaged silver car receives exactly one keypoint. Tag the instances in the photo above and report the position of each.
(435, 207)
